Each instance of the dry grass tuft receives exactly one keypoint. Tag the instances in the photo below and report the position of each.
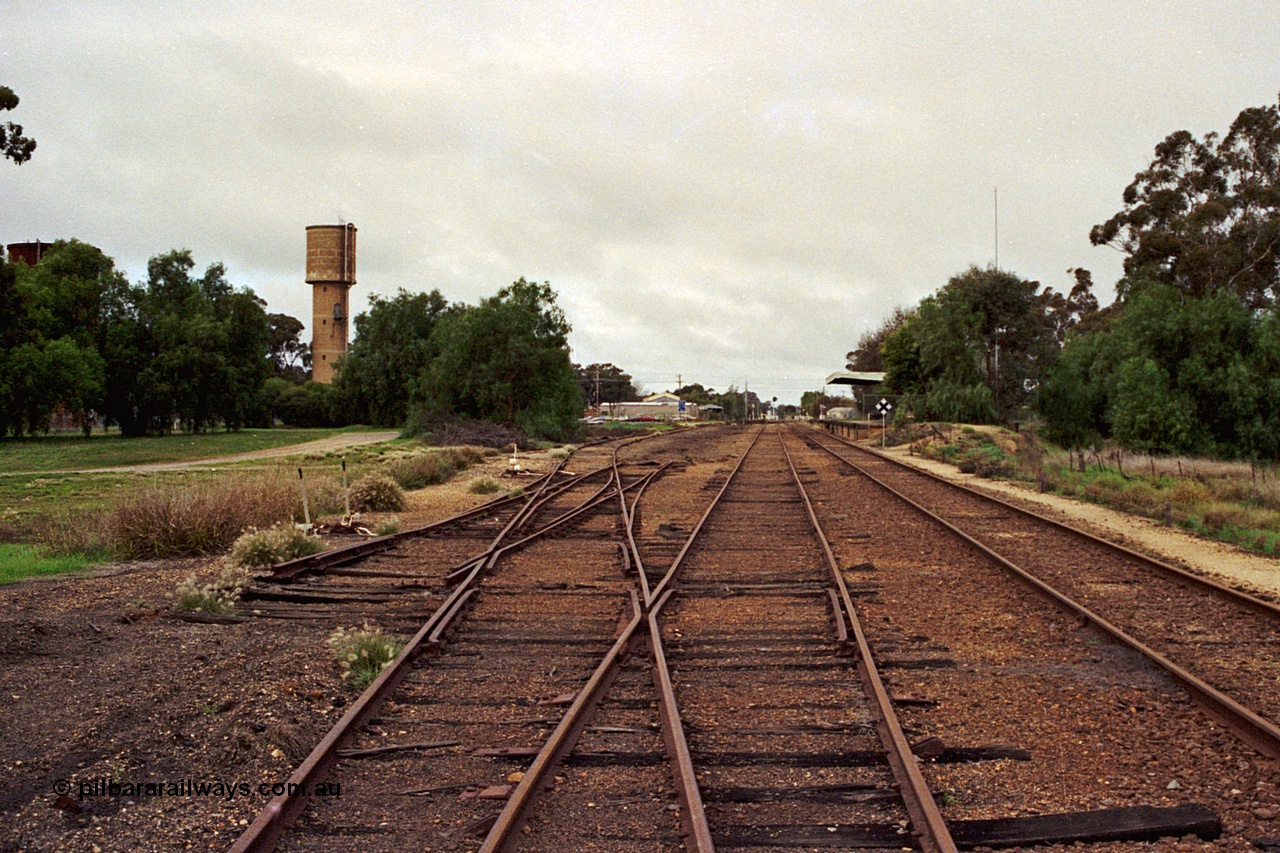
(202, 518)
(276, 544)
(217, 597)
(377, 493)
(435, 466)
(484, 486)
(363, 653)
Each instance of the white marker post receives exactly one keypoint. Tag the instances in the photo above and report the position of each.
(883, 407)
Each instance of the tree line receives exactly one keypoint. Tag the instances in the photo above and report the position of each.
(178, 350)
(1187, 358)
(418, 361)
(191, 351)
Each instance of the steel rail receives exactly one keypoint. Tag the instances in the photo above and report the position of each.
(1222, 590)
(673, 573)
(1255, 730)
(524, 515)
(292, 568)
(693, 815)
(506, 829)
(629, 548)
(281, 811)
(926, 819)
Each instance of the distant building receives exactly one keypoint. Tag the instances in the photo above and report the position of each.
(664, 407)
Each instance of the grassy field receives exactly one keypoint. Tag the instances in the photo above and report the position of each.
(69, 453)
(22, 561)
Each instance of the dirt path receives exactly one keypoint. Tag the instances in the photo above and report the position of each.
(320, 445)
(1203, 555)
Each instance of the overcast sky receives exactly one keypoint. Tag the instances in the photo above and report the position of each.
(724, 192)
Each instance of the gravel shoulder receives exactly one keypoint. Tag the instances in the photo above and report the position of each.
(1206, 556)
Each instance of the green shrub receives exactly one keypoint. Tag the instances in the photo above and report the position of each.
(276, 544)
(377, 493)
(388, 526)
(484, 486)
(363, 653)
(217, 597)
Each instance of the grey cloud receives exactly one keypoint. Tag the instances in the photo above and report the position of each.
(733, 190)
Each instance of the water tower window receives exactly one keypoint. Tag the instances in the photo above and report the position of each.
(337, 311)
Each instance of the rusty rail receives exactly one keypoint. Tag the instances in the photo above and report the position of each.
(1249, 726)
(693, 816)
(280, 813)
(506, 828)
(673, 573)
(926, 820)
(1235, 596)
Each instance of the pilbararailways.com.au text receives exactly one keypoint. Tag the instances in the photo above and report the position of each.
(219, 788)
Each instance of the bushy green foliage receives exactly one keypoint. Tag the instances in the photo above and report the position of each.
(392, 347)
(363, 653)
(1204, 216)
(376, 493)
(312, 404)
(75, 332)
(505, 360)
(275, 544)
(13, 145)
(1171, 374)
(977, 348)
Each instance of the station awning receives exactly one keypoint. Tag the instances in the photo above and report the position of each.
(845, 377)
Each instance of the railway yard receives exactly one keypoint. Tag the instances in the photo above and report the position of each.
(734, 638)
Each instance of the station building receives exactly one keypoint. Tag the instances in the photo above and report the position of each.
(663, 407)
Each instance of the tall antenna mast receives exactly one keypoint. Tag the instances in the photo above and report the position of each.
(996, 193)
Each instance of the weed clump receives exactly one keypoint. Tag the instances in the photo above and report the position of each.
(363, 653)
(484, 486)
(377, 493)
(388, 526)
(276, 544)
(435, 466)
(201, 517)
(218, 597)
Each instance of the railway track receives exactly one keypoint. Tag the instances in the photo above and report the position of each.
(668, 654)
(1221, 644)
(768, 743)
(535, 595)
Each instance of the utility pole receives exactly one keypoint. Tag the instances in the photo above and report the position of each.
(996, 192)
(598, 389)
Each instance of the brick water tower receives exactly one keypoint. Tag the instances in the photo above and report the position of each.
(331, 270)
